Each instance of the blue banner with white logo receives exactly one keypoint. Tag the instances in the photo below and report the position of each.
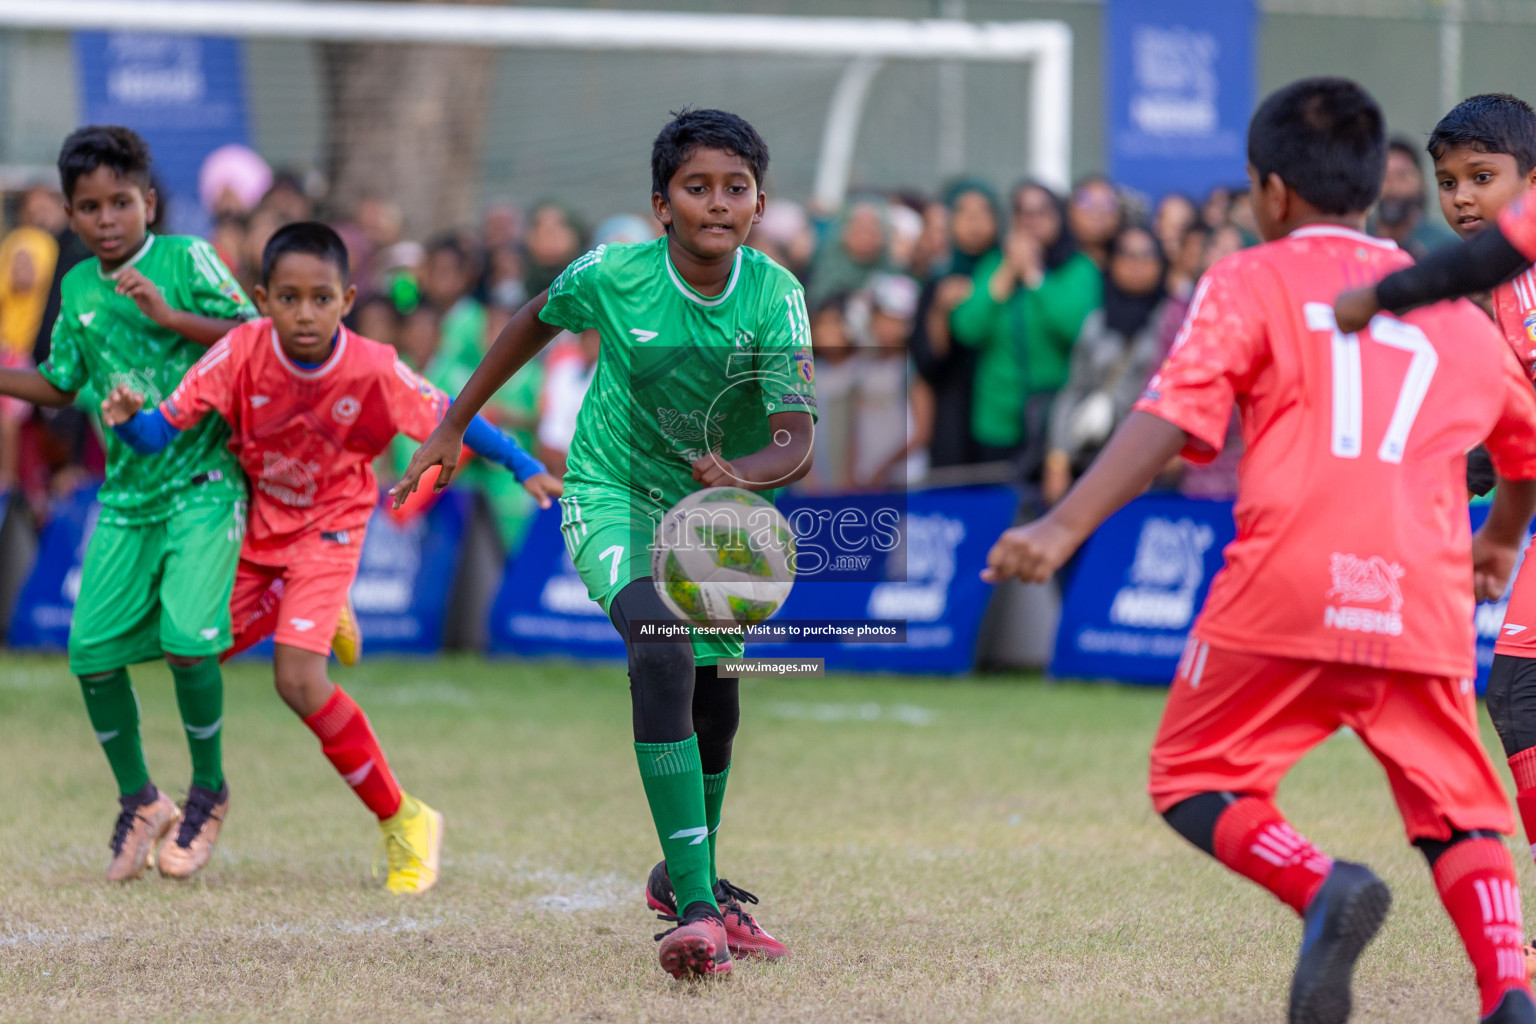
(1179, 88)
(184, 94)
(46, 603)
(1142, 578)
(1137, 586)
(404, 578)
(913, 557)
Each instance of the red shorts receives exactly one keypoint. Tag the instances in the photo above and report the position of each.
(1237, 722)
(297, 605)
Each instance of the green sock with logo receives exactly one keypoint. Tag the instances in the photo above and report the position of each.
(674, 786)
(200, 696)
(714, 798)
(114, 711)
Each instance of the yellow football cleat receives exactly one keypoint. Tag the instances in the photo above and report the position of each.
(347, 644)
(413, 843)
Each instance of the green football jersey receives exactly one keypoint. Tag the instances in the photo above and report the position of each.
(679, 374)
(101, 339)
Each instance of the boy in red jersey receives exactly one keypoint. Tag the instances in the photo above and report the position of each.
(1485, 159)
(310, 405)
(1344, 598)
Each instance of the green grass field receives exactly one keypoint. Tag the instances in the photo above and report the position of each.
(931, 850)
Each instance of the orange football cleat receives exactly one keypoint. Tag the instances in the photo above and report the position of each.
(139, 829)
(183, 854)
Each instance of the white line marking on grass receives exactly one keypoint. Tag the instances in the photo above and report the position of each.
(49, 936)
(901, 714)
(583, 892)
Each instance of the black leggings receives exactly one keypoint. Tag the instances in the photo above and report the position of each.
(670, 698)
(1512, 702)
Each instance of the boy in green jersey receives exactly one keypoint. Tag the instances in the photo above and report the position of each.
(161, 560)
(704, 379)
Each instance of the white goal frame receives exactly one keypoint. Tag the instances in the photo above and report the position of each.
(1044, 46)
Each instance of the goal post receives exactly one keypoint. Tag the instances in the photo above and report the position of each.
(1044, 47)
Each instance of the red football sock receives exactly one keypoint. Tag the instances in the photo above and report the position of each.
(348, 740)
(1523, 765)
(1477, 884)
(1254, 839)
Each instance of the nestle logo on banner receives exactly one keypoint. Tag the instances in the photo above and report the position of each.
(159, 70)
(387, 568)
(1364, 581)
(1175, 81)
(1165, 576)
(929, 545)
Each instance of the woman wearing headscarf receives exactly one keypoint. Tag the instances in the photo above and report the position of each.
(1114, 356)
(1024, 313)
(975, 225)
(858, 249)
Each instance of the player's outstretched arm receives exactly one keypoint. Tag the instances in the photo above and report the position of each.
(785, 459)
(1128, 464)
(517, 343)
(485, 440)
(1496, 544)
(1449, 272)
(31, 386)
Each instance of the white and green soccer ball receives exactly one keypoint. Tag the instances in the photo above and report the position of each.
(724, 555)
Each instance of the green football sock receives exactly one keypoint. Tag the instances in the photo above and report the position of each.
(674, 786)
(200, 696)
(714, 797)
(114, 711)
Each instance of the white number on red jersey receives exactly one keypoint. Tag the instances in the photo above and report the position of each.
(1348, 387)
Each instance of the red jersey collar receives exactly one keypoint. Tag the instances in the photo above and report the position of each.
(319, 371)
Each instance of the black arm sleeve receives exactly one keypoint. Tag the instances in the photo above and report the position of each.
(1452, 271)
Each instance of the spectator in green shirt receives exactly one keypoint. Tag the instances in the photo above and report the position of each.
(1026, 309)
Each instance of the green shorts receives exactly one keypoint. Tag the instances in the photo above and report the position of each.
(157, 588)
(609, 539)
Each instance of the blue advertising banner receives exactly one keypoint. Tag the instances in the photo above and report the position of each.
(913, 557)
(184, 94)
(406, 576)
(1179, 87)
(1144, 575)
(47, 600)
(1136, 588)
(401, 592)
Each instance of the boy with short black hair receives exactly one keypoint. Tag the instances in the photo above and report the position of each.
(704, 379)
(161, 560)
(311, 405)
(1344, 599)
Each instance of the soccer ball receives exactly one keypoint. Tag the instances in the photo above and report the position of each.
(723, 555)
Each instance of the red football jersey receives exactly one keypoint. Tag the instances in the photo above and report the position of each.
(1514, 307)
(1353, 544)
(306, 438)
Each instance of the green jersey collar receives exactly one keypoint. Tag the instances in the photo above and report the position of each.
(688, 289)
(149, 240)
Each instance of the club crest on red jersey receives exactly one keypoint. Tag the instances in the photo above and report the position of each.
(1530, 326)
(346, 409)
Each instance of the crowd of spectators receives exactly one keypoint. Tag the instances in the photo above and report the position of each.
(976, 334)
